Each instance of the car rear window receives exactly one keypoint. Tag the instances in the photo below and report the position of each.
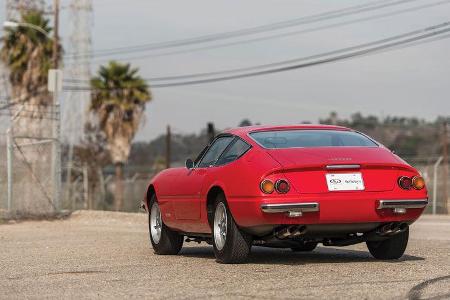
(281, 139)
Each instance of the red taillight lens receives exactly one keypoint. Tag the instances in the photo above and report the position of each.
(282, 186)
(267, 186)
(418, 182)
(405, 182)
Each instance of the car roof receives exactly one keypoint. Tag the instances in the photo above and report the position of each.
(243, 131)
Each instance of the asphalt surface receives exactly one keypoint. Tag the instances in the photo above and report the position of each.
(107, 255)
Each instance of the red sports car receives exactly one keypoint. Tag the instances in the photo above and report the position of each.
(287, 186)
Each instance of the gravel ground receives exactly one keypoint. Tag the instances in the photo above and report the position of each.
(107, 255)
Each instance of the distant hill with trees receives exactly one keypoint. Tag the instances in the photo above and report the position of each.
(411, 138)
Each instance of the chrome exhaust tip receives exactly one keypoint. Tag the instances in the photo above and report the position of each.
(299, 231)
(392, 228)
(290, 231)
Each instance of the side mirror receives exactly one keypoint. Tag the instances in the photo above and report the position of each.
(189, 163)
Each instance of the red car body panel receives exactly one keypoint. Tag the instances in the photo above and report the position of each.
(182, 193)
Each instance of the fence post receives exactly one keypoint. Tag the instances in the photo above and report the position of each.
(56, 156)
(68, 186)
(87, 203)
(9, 166)
(102, 184)
(436, 165)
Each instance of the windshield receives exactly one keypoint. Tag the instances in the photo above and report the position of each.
(281, 139)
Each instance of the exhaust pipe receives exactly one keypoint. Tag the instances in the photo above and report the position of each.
(402, 227)
(392, 228)
(299, 231)
(387, 229)
(284, 233)
(290, 231)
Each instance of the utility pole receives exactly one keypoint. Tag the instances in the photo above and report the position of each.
(56, 153)
(168, 146)
(56, 34)
(75, 114)
(445, 166)
(211, 131)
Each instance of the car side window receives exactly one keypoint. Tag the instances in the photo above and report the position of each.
(215, 151)
(236, 150)
(200, 155)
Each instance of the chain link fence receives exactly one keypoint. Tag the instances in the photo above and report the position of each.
(27, 184)
(136, 183)
(28, 176)
(96, 191)
(431, 168)
(32, 183)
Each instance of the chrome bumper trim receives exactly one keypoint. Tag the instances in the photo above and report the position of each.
(405, 203)
(290, 207)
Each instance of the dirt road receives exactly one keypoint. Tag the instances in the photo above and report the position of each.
(107, 255)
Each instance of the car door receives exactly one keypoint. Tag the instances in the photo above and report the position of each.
(187, 203)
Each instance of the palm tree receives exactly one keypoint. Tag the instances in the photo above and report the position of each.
(27, 53)
(118, 100)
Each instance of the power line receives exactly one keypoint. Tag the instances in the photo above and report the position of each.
(289, 68)
(277, 64)
(248, 31)
(38, 112)
(9, 102)
(30, 117)
(2, 101)
(300, 66)
(345, 53)
(197, 75)
(282, 35)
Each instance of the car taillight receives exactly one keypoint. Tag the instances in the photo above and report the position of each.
(405, 182)
(282, 186)
(267, 186)
(418, 182)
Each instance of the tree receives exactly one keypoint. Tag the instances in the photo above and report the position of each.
(27, 53)
(118, 100)
(92, 154)
(245, 123)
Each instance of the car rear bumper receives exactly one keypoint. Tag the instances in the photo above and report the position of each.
(403, 203)
(314, 206)
(290, 207)
(257, 211)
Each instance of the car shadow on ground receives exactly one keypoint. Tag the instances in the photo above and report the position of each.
(262, 255)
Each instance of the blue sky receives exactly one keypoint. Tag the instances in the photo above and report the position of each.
(407, 82)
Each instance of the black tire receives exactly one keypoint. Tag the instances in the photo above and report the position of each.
(392, 248)
(306, 247)
(237, 243)
(170, 242)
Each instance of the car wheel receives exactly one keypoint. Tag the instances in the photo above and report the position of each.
(392, 248)
(164, 240)
(231, 245)
(306, 247)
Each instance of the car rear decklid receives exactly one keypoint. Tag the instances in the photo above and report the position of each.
(308, 169)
